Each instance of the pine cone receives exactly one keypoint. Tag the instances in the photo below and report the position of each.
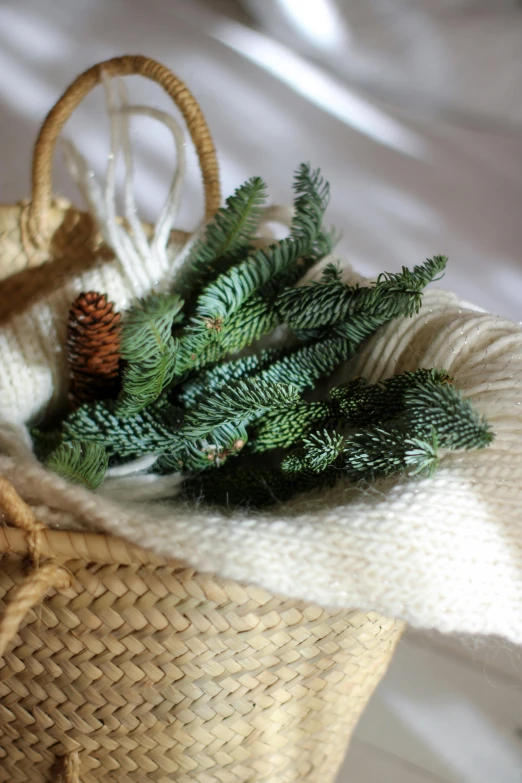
(93, 349)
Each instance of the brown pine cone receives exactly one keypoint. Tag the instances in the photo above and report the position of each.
(93, 349)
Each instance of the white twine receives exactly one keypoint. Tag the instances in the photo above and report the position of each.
(139, 258)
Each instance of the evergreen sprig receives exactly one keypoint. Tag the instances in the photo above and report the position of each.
(227, 238)
(245, 401)
(81, 463)
(210, 380)
(264, 272)
(195, 398)
(154, 430)
(150, 350)
(329, 301)
(443, 409)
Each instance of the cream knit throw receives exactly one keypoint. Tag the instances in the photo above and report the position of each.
(443, 552)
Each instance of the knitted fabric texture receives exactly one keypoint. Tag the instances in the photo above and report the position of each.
(35, 377)
(32, 344)
(443, 552)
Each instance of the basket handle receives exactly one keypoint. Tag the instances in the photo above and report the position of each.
(31, 592)
(118, 66)
(42, 578)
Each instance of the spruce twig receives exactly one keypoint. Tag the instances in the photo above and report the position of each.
(81, 463)
(193, 411)
(150, 350)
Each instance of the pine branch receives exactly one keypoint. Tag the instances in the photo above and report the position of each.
(255, 319)
(153, 430)
(329, 301)
(312, 195)
(229, 314)
(322, 450)
(225, 374)
(282, 428)
(231, 290)
(240, 403)
(364, 455)
(280, 263)
(81, 463)
(203, 453)
(442, 408)
(357, 404)
(361, 403)
(303, 367)
(143, 382)
(93, 349)
(332, 274)
(150, 350)
(147, 325)
(422, 457)
(378, 452)
(227, 238)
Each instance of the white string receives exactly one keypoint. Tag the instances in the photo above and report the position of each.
(131, 211)
(143, 262)
(131, 468)
(85, 180)
(141, 487)
(169, 212)
(120, 241)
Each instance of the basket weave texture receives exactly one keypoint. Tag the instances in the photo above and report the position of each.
(153, 672)
(133, 668)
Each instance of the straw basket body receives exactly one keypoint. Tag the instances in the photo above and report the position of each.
(154, 672)
(119, 667)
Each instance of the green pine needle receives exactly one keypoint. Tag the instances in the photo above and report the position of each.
(216, 329)
(231, 290)
(224, 297)
(442, 408)
(329, 301)
(208, 381)
(196, 413)
(151, 351)
(361, 403)
(199, 454)
(311, 200)
(322, 450)
(147, 325)
(281, 428)
(154, 430)
(227, 238)
(143, 382)
(303, 367)
(422, 456)
(80, 463)
(240, 403)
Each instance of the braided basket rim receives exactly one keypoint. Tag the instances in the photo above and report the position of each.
(64, 545)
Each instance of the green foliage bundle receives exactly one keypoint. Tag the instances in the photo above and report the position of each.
(197, 390)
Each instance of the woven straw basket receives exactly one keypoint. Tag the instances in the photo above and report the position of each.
(119, 666)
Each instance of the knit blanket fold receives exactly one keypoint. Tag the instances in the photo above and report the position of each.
(443, 552)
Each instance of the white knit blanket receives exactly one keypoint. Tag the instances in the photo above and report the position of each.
(443, 552)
